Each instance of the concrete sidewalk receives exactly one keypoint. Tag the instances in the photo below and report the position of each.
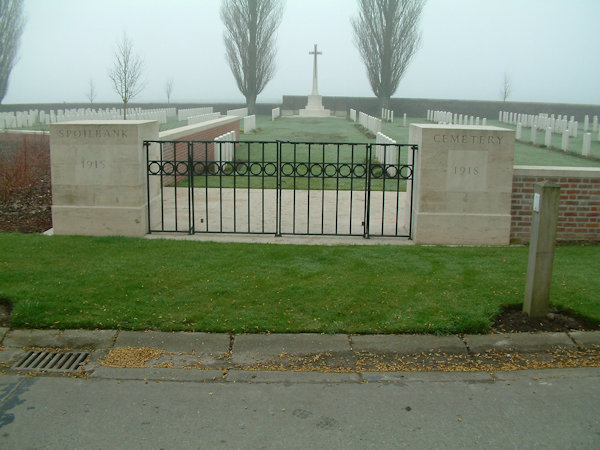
(216, 353)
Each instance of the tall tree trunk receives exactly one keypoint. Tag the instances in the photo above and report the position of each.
(251, 104)
(124, 110)
(251, 87)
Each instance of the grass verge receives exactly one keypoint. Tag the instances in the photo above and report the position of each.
(83, 282)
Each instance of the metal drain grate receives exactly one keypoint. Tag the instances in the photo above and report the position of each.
(52, 362)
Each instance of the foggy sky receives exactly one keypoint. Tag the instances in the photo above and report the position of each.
(549, 49)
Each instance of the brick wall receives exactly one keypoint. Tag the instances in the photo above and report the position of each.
(579, 208)
(204, 131)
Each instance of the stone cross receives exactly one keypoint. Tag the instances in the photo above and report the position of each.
(315, 90)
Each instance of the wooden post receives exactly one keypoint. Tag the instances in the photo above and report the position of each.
(541, 248)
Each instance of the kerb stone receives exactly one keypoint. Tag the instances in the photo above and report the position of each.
(408, 344)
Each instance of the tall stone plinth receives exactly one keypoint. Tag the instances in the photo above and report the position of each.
(99, 177)
(462, 184)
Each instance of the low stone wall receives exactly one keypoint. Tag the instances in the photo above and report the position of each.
(579, 209)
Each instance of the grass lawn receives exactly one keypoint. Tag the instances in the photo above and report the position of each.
(72, 282)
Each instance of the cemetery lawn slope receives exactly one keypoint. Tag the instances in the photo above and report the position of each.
(83, 282)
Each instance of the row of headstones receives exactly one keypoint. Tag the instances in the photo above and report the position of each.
(275, 113)
(29, 118)
(369, 122)
(159, 115)
(224, 150)
(543, 121)
(183, 114)
(385, 154)
(446, 117)
(202, 118)
(249, 123)
(387, 115)
(587, 138)
(240, 112)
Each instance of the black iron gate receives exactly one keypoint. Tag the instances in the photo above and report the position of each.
(280, 187)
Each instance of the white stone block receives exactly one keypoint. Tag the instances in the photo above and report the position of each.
(404, 120)
(548, 137)
(587, 144)
(533, 134)
(484, 122)
(249, 123)
(519, 132)
(565, 140)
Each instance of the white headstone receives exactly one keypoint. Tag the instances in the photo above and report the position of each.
(548, 138)
(533, 134)
(565, 140)
(595, 124)
(404, 120)
(484, 123)
(586, 123)
(587, 144)
(519, 131)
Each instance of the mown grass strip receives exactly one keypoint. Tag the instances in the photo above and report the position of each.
(83, 282)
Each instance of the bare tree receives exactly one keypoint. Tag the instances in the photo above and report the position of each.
(91, 92)
(11, 28)
(249, 36)
(127, 72)
(169, 89)
(506, 89)
(386, 33)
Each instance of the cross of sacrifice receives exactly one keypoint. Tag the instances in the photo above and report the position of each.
(315, 90)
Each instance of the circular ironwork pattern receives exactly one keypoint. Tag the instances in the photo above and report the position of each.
(181, 168)
(406, 172)
(359, 170)
(329, 173)
(345, 170)
(168, 168)
(318, 172)
(270, 169)
(254, 167)
(242, 168)
(301, 170)
(199, 168)
(287, 169)
(154, 168)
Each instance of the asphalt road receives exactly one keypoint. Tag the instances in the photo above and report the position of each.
(529, 409)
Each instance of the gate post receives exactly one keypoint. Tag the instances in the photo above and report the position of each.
(278, 193)
(190, 163)
(367, 215)
(99, 177)
(463, 184)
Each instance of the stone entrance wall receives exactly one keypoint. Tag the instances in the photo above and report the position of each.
(463, 184)
(98, 177)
